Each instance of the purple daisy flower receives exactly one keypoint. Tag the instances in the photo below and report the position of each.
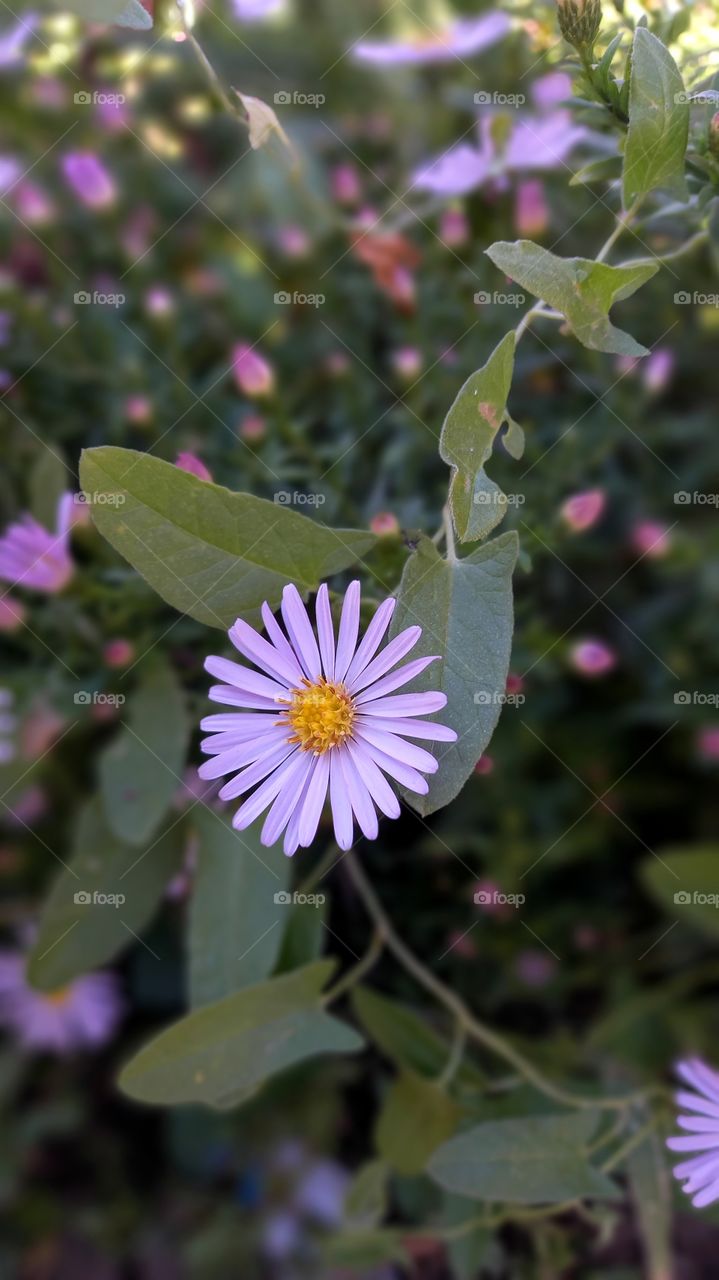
(700, 1174)
(318, 719)
(31, 556)
(458, 39)
(80, 1015)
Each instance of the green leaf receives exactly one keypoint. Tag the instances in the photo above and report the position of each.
(602, 170)
(581, 289)
(417, 1116)
(118, 13)
(530, 1160)
(650, 1188)
(101, 901)
(235, 921)
(262, 123)
(48, 481)
(406, 1039)
(221, 1054)
(465, 610)
(468, 434)
(686, 882)
(304, 935)
(141, 769)
(363, 1249)
(658, 122)
(367, 1196)
(209, 552)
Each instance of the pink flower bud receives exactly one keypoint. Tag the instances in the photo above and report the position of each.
(12, 614)
(531, 211)
(159, 301)
(253, 375)
(657, 369)
(708, 744)
(345, 184)
(484, 766)
(196, 467)
(407, 362)
(294, 242)
(583, 510)
(89, 179)
(535, 968)
(252, 427)
(118, 653)
(515, 683)
(592, 658)
(384, 524)
(138, 409)
(651, 539)
(454, 228)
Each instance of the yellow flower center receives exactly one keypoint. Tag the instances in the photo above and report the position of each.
(321, 715)
(59, 996)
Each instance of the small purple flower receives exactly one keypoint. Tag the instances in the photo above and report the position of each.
(14, 39)
(257, 10)
(700, 1173)
(582, 510)
(89, 179)
(253, 374)
(458, 39)
(81, 1015)
(190, 462)
(318, 719)
(31, 556)
(592, 658)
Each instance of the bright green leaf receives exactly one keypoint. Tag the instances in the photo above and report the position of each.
(465, 610)
(658, 122)
(530, 1160)
(416, 1117)
(221, 1054)
(235, 921)
(686, 882)
(209, 552)
(581, 289)
(141, 769)
(406, 1039)
(101, 901)
(468, 434)
(367, 1196)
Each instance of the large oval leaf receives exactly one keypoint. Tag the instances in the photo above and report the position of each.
(658, 122)
(465, 610)
(686, 882)
(417, 1116)
(530, 1160)
(101, 901)
(221, 1054)
(209, 552)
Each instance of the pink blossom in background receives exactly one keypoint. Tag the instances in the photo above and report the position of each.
(345, 184)
(454, 229)
(484, 766)
(159, 301)
(82, 1015)
(252, 427)
(699, 1118)
(119, 653)
(257, 10)
(138, 409)
(31, 556)
(651, 539)
(27, 808)
(253, 374)
(111, 114)
(582, 510)
(407, 362)
(337, 364)
(8, 725)
(86, 174)
(535, 968)
(33, 204)
(457, 39)
(656, 371)
(12, 614)
(196, 467)
(485, 895)
(384, 524)
(10, 172)
(294, 242)
(551, 90)
(531, 211)
(708, 744)
(315, 720)
(515, 683)
(592, 658)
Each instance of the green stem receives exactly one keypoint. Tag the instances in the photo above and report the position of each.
(449, 533)
(358, 970)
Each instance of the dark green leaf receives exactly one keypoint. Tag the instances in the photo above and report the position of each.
(367, 1196)
(416, 1117)
(581, 289)
(304, 935)
(658, 122)
(101, 901)
(465, 610)
(363, 1249)
(209, 552)
(686, 882)
(406, 1039)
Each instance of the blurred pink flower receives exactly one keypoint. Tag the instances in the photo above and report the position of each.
(385, 523)
(535, 968)
(454, 228)
(252, 427)
(651, 539)
(138, 409)
(407, 361)
(12, 614)
(592, 658)
(656, 371)
(531, 211)
(86, 174)
(10, 172)
(257, 10)
(294, 241)
(31, 556)
(582, 510)
(345, 184)
(458, 39)
(484, 766)
(159, 301)
(26, 809)
(14, 39)
(111, 114)
(118, 653)
(33, 204)
(515, 683)
(488, 896)
(708, 744)
(81, 1015)
(253, 374)
(196, 467)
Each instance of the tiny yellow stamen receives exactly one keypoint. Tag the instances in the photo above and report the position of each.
(321, 715)
(59, 996)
